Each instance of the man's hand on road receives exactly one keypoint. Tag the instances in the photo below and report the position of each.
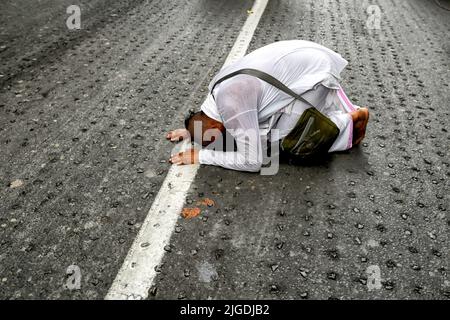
(177, 135)
(187, 157)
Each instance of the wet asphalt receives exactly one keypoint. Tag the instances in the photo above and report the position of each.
(83, 115)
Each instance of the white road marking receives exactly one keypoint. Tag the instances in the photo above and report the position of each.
(373, 277)
(137, 273)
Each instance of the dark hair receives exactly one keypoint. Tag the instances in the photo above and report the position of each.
(189, 116)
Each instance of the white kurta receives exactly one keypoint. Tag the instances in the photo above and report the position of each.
(250, 108)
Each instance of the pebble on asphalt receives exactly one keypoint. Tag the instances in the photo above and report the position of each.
(16, 184)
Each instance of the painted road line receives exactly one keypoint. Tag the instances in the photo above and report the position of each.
(138, 271)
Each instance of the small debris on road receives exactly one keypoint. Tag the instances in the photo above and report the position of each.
(16, 184)
(189, 213)
(206, 202)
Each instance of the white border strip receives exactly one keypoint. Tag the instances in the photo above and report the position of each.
(137, 273)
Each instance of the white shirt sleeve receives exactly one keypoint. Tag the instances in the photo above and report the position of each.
(237, 103)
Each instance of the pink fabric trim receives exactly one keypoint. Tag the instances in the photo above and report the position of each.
(350, 138)
(345, 99)
(342, 103)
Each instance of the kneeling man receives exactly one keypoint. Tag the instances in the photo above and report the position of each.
(254, 111)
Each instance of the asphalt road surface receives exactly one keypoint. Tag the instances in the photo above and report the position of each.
(83, 114)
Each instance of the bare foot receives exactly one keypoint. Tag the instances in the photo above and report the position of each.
(360, 119)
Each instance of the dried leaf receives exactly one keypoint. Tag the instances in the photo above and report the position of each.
(189, 213)
(206, 202)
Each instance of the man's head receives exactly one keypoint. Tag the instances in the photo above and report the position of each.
(203, 129)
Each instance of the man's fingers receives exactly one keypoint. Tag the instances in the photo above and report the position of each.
(172, 136)
(176, 158)
(187, 157)
(177, 135)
